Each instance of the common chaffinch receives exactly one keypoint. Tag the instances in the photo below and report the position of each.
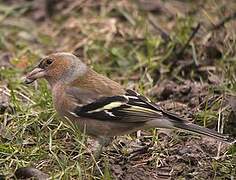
(100, 106)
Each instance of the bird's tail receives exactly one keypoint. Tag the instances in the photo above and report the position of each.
(204, 131)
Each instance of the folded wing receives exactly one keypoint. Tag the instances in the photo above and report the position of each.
(130, 108)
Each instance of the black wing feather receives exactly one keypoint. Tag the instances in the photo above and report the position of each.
(133, 108)
(170, 115)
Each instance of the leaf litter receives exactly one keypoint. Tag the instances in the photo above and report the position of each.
(198, 83)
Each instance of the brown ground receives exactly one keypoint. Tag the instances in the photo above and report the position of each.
(182, 54)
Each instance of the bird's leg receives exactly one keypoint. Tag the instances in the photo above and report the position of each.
(96, 154)
(103, 142)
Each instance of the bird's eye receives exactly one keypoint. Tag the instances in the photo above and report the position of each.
(49, 61)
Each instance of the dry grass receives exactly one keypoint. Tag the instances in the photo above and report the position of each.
(144, 47)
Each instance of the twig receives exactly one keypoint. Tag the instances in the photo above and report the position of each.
(222, 22)
(163, 33)
(72, 6)
(194, 32)
(219, 129)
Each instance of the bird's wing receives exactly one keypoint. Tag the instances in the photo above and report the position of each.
(135, 108)
(131, 107)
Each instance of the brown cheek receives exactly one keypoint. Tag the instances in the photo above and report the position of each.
(57, 70)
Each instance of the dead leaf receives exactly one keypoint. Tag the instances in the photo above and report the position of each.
(214, 79)
(23, 62)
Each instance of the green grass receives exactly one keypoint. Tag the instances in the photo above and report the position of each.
(135, 55)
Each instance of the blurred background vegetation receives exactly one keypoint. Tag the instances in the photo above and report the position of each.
(182, 54)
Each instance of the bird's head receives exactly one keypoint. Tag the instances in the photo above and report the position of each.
(63, 67)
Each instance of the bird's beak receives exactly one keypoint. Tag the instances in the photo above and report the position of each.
(34, 74)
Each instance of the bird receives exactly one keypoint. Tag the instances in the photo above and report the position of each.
(101, 107)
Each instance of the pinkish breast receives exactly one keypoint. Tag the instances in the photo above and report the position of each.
(63, 103)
